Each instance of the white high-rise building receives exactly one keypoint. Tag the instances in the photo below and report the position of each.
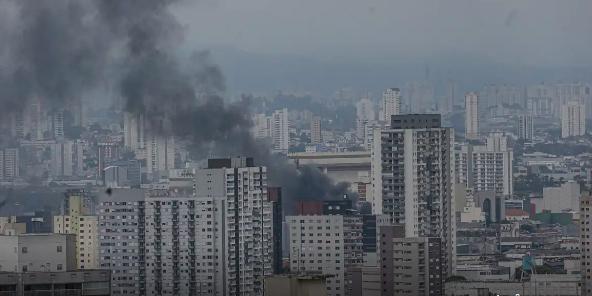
(391, 104)
(526, 127)
(246, 220)
(413, 177)
(326, 244)
(471, 116)
(487, 167)
(573, 119)
(280, 130)
(276, 128)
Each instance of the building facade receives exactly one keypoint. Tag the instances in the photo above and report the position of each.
(37, 252)
(9, 164)
(526, 127)
(391, 104)
(413, 175)
(471, 116)
(586, 244)
(316, 130)
(122, 222)
(573, 119)
(486, 167)
(327, 245)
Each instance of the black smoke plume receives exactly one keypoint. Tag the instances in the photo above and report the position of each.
(58, 50)
(51, 51)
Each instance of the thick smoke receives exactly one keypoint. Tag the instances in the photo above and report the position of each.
(51, 51)
(58, 50)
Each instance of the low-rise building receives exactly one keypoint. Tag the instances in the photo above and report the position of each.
(87, 282)
(295, 285)
(540, 285)
(37, 252)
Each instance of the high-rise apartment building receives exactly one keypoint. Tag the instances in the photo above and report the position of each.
(122, 243)
(215, 238)
(66, 158)
(391, 104)
(280, 130)
(276, 128)
(160, 153)
(540, 100)
(61, 159)
(316, 136)
(578, 91)
(275, 197)
(526, 127)
(79, 220)
(486, 167)
(58, 124)
(325, 244)
(9, 164)
(413, 176)
(586, 243)
(417, 267)
(471, 116)
(133, 132)
(185, 251)
(573, 119)
(246, 221)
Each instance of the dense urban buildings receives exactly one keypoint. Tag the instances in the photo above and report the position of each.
(132, 164)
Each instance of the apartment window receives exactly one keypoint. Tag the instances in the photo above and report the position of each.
(59, 249)
(24, 250)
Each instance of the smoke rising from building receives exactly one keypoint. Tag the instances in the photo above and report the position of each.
(60, 50)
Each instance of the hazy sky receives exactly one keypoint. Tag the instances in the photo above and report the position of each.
(541, 32)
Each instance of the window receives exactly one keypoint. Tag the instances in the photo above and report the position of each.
(59, 249)
(60, 267)
(24, 250)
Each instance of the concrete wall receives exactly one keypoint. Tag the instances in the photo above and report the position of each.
(295, 285)
(38, 252)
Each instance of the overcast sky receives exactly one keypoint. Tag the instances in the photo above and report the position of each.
(541, 32)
